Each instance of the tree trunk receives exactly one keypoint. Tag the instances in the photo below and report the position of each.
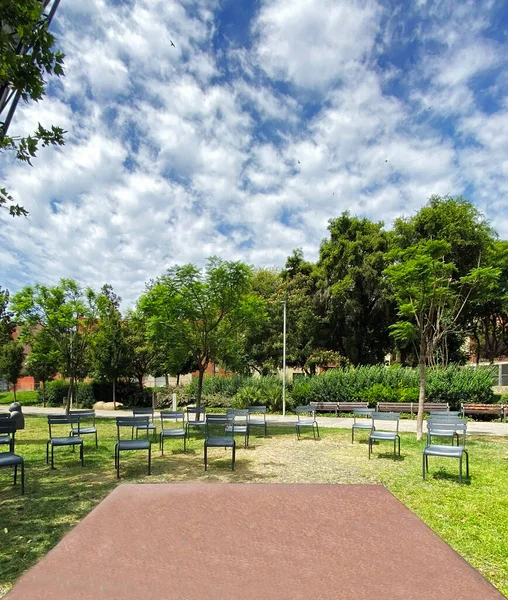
(14, 391)
(201, 370)
(421, 397)
(114, 393)
(70, 393)
(44, 394)
(178, 379)
(167, 381)
(140, 381)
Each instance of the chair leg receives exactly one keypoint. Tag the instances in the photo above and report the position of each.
(206, 457)
(423, 466)
(398, 438)
(370, 446)
(161, 443)
(460, 470)
(317, 428)
(15, 473)
(352, 435)
(23, 478)
(149, 460)
(467, 463)
(52, 456)
(233, 458)
(82, 454)
(118, 464)
(47, 452)
(96, 440)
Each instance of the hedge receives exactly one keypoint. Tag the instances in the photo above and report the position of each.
(128, 393)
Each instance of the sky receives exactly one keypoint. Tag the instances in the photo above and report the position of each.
(265, 119)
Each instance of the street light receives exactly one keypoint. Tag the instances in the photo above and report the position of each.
(284, 362)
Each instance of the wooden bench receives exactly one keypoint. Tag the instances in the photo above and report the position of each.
(337, 407)
(411, 407)
(498, 410)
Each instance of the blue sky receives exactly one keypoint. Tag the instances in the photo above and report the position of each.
(266, 119)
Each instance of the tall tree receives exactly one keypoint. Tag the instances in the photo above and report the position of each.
(42, 362)
(109, 349)
(27, 56)
(352, 293)
(143, 357)
(11, 362)
(68, 315)
(202, 311)
(429, 300)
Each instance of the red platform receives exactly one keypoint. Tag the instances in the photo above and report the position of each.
(252, 542)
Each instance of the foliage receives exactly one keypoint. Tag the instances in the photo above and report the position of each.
(325, 358)
(67, 315)
(127, 392)
(143, 356)
(351, 295)
(42, 361)
(204, 313)
(7, 325)
(12, 357)
(26, 57)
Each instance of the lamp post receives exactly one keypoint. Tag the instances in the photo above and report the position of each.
(284, 362)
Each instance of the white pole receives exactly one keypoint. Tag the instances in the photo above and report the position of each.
(174, 402)
(284, 364)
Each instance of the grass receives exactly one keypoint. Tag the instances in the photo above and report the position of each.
(472, 518)
(24, 398)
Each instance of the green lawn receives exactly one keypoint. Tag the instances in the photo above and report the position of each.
(24, 398)
(472, 518)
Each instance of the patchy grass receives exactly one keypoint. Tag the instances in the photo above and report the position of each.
(472, 518)
(24, 398)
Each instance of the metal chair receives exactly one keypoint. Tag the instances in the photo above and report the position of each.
(378, 434)
(434, 430)
(362, 420)
(444, 413)
(306, 421)
(9, 459)
(121, 445)
(88, 429)
(446, 451)
(196, 418)
(6, 437)
(257, 417)
(240, 423)
(150, 414)
(70, 440)
(219, 434)
(175, 428)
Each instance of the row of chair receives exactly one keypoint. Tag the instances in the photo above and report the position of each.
(439, 425)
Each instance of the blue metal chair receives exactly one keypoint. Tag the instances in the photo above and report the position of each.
(219, 434)
(6, 437)
(362, 420)
(257, 417)
(10, 459)
(87, 428)
(138, 423)
(196, 419)
(303, 421)
(240, 423)
(172, 426)
(69, 440)
(378, 434)
(448, 451)
(434, 430)
(150, 414)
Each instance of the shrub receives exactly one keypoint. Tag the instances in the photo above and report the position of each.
(56, 392)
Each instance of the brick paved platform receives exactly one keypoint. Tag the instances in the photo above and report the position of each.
(254, 542)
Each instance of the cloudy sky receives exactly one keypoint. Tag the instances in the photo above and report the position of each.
(264, 120)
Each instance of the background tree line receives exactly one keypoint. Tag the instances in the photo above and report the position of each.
(417, 291)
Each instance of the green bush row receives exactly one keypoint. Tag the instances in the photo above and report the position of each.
(128, 393)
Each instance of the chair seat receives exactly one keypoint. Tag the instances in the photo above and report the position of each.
(8, 459)
(305, 422)
(443, 433)
(81, 430)
(362, 426)
(173, 432)
(236, 429)
(383, 435)
(196, 423)
(133, 445)
(225, 442)
(66, 441)
(257, 422)
(437, 450)
(150, 426)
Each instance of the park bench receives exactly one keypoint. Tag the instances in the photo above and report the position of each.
(411, 407)
(337, 407)
(498, 410)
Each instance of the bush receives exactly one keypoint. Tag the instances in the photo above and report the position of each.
(56, 392)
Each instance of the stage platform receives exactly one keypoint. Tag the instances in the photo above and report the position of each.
(252, 542)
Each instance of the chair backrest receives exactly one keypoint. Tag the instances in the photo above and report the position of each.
(305, 410)
(8, 428)
(172, 416)
(362, 413)
(257, 409)
(195, 414)
(456, 426)
(5, 416)
(131, 422)
(444, 413)
(83, 414)
(385, 417)
(217, 425)
(239, 415)
(144, 412)
(56, 420)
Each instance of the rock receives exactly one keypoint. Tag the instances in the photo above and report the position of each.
(107, 405)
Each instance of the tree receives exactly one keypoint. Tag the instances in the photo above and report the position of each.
(109, 349)
(429, 300)
(26, 57)
(204, 312)
(42, 363)
(142, 356)
(352, 294)
(7, 325)
(11, 362)
(68, 316)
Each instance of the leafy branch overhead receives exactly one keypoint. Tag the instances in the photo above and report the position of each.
(27, 56)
